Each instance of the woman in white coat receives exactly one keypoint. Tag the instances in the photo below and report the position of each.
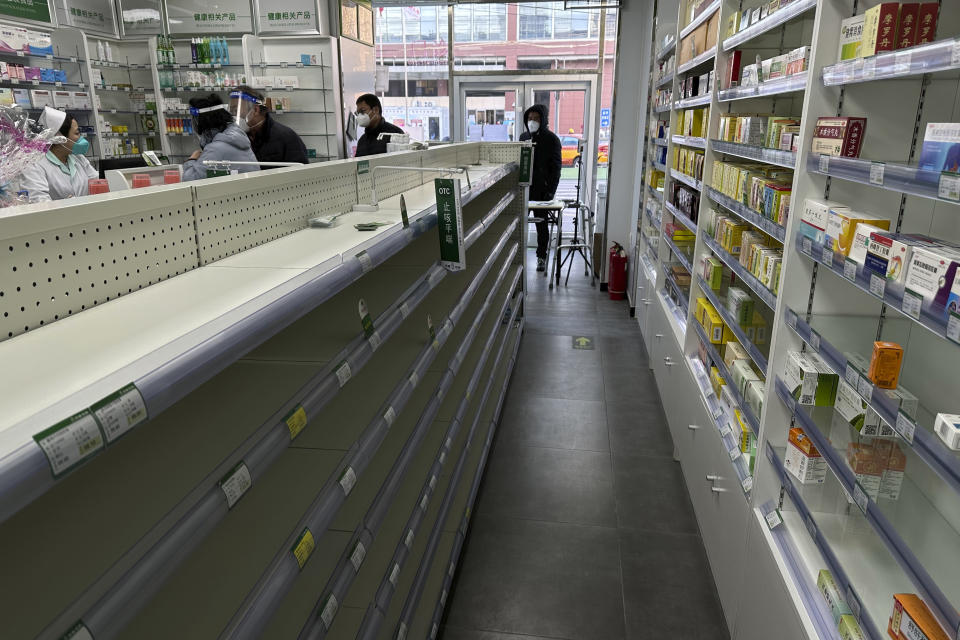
(64, 172)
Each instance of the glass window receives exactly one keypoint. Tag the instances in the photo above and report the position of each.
(536, 21)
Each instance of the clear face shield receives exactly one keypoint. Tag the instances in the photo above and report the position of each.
(243, 108)
(195, 114)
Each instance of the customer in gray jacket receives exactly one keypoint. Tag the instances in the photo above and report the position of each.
(220, 139)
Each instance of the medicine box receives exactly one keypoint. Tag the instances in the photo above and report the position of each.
(855, 411)
(927, 22)
(888, 255)
(727, 397)
(62, 100)
(849, 628)
(713, 272)
(6, 97)
(754, 396)
(742, 374)
(941, 147)
(831, 593)
(893, 461)
(931, 273)
(880, 28)
(947, 426)
(13, 39)
(740, 305)
(839, 136)
(716, 380)
(39, 44)
(732, 352)
(867, 470)
(810, 381)
(841, 226)
(803, 460)
(714, 325)
(851, 38)
(885, 364)
(22, 97)
(861, 242)
(912, 620)
(816, 213)
(745, 438)
(759, 326)
(907, 26)
(41, 98)
(701, 312)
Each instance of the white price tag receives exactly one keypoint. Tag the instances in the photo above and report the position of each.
(878, 285)
(851, 375)
(853, 602)
(433, 482)
(120, 411)
(827, 255)
(734, 454)
(78, 631)
(443, 457)
(815, 340)
(58, 84)
(773, 519)
(869, 68)
(905, 427)
(824, 164)
(424, 501)
(329, 611)
(414, 379)
(865, 388)
(955, 54)
(949, 187)
(348, 480)
(901, 62)
(69, 442)
(850, 270)
(807, 246)
(375, 341)
(402, 631)
(365, 262)
(408, 541)
(724, 428)
(359, 553)
(394, 574)
(860, 497)
(747, 484)
(791, 319)
(344, 374)
(451, 569)
(443, 598)
(912, 303)
(404, 310)
(953, 328)
(876, 173)
(389, 416)
(235, 483)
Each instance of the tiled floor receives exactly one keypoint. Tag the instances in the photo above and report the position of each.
(583, 527)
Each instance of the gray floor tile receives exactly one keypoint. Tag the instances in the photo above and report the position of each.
(456, 633)
(554, 422)
(638, 429)
(570, 377)
(668, 588)
(651, 494)
(556, 485)
(630, 384)
(541, 579)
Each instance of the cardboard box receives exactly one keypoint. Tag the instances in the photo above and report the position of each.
(851, 38)
(803, 460)
(927, 22)
(855, 411)
(912, 620)
(716, 380)
(932, 272)
(849, 628)
(947, 426)
(880, 28)
(840, 136)
(732, 352)
(814, 217)
(841, 226)
(754, 396)
(885, 364)
(808, 380)
(832, 595)
(888, 255)
(941, 147)
(907, 27)
(714, 326)
(41, 98)
(861, 242)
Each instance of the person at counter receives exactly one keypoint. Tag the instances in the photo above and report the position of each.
(271, 140)
(64, 172)
(220, 139)
(370, 117)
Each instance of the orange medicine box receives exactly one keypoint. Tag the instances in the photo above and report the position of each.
(912, 620)
(803, 460)
(885, 364)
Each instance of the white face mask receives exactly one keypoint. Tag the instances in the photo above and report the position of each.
(533, 126)
(363, 119)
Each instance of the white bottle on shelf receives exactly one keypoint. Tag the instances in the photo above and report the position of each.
(109, 51)
(100, 53)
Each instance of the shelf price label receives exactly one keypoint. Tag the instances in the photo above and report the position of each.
(876, 173)
(955, 59)
(344, 373)
(747, 484)
(78, 631)
(807, 246)
(851, 376)
(296, 420)
(860, 497)
(70, 442)
(953, 328)
(853, 602)
(773, 518)
(120, 411)
(235, 483)
(878, 285)
(949, 187)
(850, 270)
(303, 547)
(905, 426)
(359, 553)
(869, 68)
(815, 340)
(329, 611)
(347, 480)
(865, 388)
(912, 302)
(828, 256)
(824, 164)
(901, 62)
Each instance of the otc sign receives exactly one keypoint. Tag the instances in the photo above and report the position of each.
(450, 224)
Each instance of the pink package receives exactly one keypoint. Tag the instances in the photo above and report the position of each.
(31, 73)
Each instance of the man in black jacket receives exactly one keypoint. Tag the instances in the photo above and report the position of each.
(547, 157)
(370, 117)
(271, 141)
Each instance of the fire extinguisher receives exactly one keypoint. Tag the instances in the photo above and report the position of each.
(617, 281)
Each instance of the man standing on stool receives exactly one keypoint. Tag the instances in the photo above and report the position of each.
(547, 157)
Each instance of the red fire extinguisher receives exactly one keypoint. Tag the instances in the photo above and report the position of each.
(617, 280)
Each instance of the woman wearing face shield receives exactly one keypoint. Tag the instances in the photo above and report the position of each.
(64, 172)
(220, 139)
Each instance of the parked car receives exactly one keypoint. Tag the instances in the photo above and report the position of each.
(568, 150)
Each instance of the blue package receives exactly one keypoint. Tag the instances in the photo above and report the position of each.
(47, 75)
(305, 59)
(60, 75)
(941, 147)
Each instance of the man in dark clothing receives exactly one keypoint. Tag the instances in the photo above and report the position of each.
(370, 117)
(271, 141)
(547, 157)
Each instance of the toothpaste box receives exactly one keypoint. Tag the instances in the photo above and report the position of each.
(813, 219)
(841, 226)
(803, 460)
(932, 272)
(831, 593)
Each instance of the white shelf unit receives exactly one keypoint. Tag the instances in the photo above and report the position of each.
(255, 426)
(894, 544)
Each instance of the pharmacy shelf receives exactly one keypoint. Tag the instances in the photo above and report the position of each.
(40, 56)
(649, 244)
(657, 195)
(24, 471)
(766, 296)
(933, 57)
(783, 15)
(919, 438)
(682, 296)
(690, 181)
(701, 59)
(676, 317)
(777, 157)
(803, 523)
(690, 141)
(667, 50)
(214, 89)
(661, 142)
(110, 64)
(660, 167)
(718, 362)
(902, 178)
(695, 101)
(681, 217)
(903, 553)
(667, 79)
(682, 257)
(700, 19)
(724, 423)
(752, 350)
(648, 267)
(663, 108)
(924, 312)
(40, 83)
(778, 86)
(747, 214)
(654, 220)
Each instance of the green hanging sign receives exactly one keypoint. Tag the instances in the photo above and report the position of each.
(526, 165)
(35, 10)
(450, 224)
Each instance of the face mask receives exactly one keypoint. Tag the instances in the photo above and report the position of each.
(363, 119)
(533, 126)
(80, 147)
(244, 125)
